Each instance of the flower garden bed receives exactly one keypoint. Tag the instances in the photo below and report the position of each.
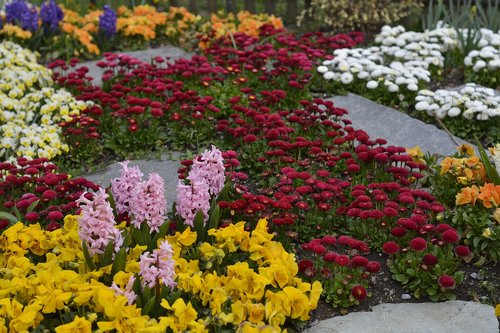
(319, 199)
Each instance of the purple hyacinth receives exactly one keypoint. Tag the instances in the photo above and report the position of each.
(29, 20)
(51, 14)
(107, 22)
(14, 11)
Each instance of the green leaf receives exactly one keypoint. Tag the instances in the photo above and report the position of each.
(410, 271)
(215, 218)
(108, 254)
(88, 259)
(401, 278)
(32, 206)
(7, 216)
(160, 234)
(17, 213)
(491, 171)
(119, 262)
(137, 236)
(199, 226)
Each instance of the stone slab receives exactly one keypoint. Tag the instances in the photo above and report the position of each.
(166, 167)
(447, 317)
(396, 127)
(173, 53)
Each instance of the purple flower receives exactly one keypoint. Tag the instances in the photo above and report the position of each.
(159, 266)
(210, 166)
(124, 186)
(148, 203)
(14, 11)
(51, 14)
(107, 22)
(97, 224)
(29, 20)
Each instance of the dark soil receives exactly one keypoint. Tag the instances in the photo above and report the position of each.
(481, 284)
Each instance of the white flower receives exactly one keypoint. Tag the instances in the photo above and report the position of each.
(453, 112)
(422, 106)
(479, 65)
(393, 88)
(372, 84)
(328, 75)
(322, 69)
(346, 78)
(412, 87)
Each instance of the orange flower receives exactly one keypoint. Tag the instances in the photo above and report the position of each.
(446, 164)
(490, 195)
(466, 150)
(467, 195)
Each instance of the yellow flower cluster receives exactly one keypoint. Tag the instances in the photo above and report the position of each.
(244, 22)
(15, 31)
(140, 21)
(30, 108)
(467, 168)
(43, 279)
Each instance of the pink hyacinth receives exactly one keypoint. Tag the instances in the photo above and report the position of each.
(128, 292)
(148, 203)
(159, 266)
(209, 166)
(124, 186)
(97, 223)
(192, 198)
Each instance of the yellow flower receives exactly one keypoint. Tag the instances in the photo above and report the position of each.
(256, 312)
(496, 215)
(487, 233)
(78, 325)
(497, 310)
(466, 150)
(416, 154)
(296, 304)
(184, 313)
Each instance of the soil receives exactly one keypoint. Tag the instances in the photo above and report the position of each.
(481, 284)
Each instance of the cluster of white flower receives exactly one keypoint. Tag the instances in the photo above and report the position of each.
(488, 57)
(404, 58)
(30, 108)
(471, 101)
(368, 65)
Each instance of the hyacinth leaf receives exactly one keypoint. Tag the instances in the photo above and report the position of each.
(108, 254)
(179, 224)
(17, 213)
(146, 309)
(146, 293)
(137, 236)
(199, 226)
(32, 206)
(88, 259)
(136, 287)
(119, 262)
(491, 171)
(111, 201)
(146, 235)
(224, 193)
(214, 218)
(7, 216)
(127, 240)
(159, 235)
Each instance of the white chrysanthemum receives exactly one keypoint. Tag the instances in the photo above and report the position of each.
(372, 84)
(346, 78)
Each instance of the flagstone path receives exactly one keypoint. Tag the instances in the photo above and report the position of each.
(379, 122)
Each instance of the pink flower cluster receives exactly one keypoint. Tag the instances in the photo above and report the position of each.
(206, 177)
(97, 223)
(128, 292)
(158, 266)
(142, 201)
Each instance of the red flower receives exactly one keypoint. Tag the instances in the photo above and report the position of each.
(359, 261)
(449, 236)
(446, 281)
(32, 217)
(330, 256)
(319, 249)
(462, 251)
(53, 226)
(359, 292)
(305, 264)
(342, 260)
(430, 259)
(398, 232)
(373, 267)
(250, 138)
(55, 215)
(418, 244)
(390, 248)
(329, 240)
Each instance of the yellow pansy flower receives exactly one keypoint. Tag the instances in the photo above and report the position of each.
(80, 325)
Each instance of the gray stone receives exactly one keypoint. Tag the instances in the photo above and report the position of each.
(405, 296)
(173, 53)
(166, 167)
(447, 317)
(396, 127)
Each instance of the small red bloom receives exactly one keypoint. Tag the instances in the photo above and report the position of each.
(32, 217)
(359, 261)
(319, 249)
(55, 215)
(449, 236)
(418, 244)
(330, 256)
(446, 281)
(462, 251)
(359, 292)
(373, 267)
(342, 260)
(430, 259)
(390, 247)
(305, 264)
